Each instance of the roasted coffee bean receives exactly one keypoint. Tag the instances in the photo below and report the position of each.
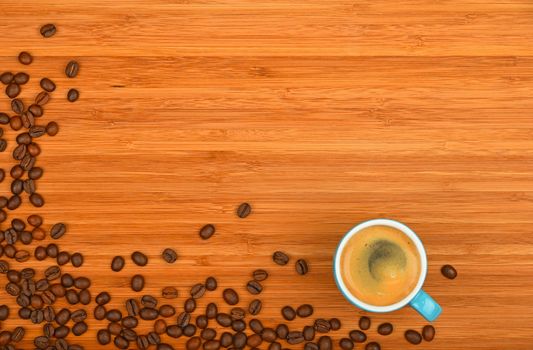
(238, 325)
(37, 316)
(19, 152)
(25, 58)
(302, 267)
(82, 283)
(428, 332)
(223, 319)
(244, 210)
(72, 297)
(41, 99)
(132, 307)
(63, 258)
(12, 90)
(103, 336)
(169, 293)
(308, 346)
(49, 313)
(304, 310)
(37, 131)
(211, 310)
(35, 173)
(153, 338)
(58, 230)
(52, 128)
(78, 315)
(239, 340)
(48, 30)
(47, 85)
(364, 323)
(346, 344)
(288, 313)
(269, 335)
(197, 291)
(254, 287)
(174, 331)
(6, 78)
(11, 236)
(211, 283)
(149, 301)
(449, 272)
(79, 328)
(41, 342)
(4, 312)
(36, 301)
(28, 287)
(3, 146)
(28, 120)
(189, 330)
(207, 231)
(165, 346)
(358, 336)
(325, 343)
(230, 296)
(114, 328)
(282, 331)
(33, 149)
(121, 342)
(63, 316)
(167, 310)
(193, 344)
(385, 328)
(226, 339)
(142, 342)
(189, 305)
(117, 263)
(129, 322)
(255, 306)
(73, 95)
(52, 250)
(139, 258)
(335, 324)
(76, 259)
(295, 337)
(280, 258)
(4, 119)
(29, 186)
(61, 344)
(48, 297)
(17, 106)
(37, 200)
(22, 255)
(254, 341)
(27, 163)
(13, 202)
(129, 334)
(4, 266)
(21, 78)
(99, 312)
(237, 313)
(15, 123)
(58, 290)
(24, 313)
(114, 315)
(36, 110)
(322, 325)
(212, 345)
(201, 321)
(208, 334)
(373, 346)
(72, 68)
(260, 275)
(256, 325)
(17, 334)
(137, 283)
(10, 250)
(413, 336)
(169, 255)
(24, 138)
(23, 300)
(148, 313)
(52, 273)
(18, 225)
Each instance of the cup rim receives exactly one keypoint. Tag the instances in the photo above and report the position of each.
(380, 222)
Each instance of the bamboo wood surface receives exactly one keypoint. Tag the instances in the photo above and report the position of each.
(321, 114)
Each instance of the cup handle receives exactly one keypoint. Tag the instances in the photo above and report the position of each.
(426, 306)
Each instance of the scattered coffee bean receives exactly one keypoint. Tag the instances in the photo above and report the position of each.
(364, 323)
(169, 255)
(254, 287)
(79, 328)
(226, 339)
(197, 291)
(325, 343)
(6, 78)
(25, 58)
(201, 321)
(63, 258)
(72, 69)
(169, 293)
(137, 283)
(282, 331)
(358, 336)
(335, 324)
(373, 346)
(189, 330)
(255, 307)
(21, 78)
(413, 336)
(308, 346)
(211, 310)
(208, 334)
(230, 296)
(244, 210)
(121, 342)
(193, 344)
(76, 259)
(117, 263)
(223, 319)
(183, 319)
(132, 307)
(280, 258)
(322, 325)
(58, 230)
(302, 267)
(449, 272)
(17, 106)
(167, 310)
(4, 312)
(207, 231)
(12, 90)
(385, 328)
(237, 313)
(254, 341)
(190, 305)
(174, 331)
(48, 30)
(139, 258)
(288, 313)
(103, 336)
(305, 310)
(309, 333)
(99, 312)
(239, 340)
(47, 85)
(428, 332)
(73, 95)
(346, 344)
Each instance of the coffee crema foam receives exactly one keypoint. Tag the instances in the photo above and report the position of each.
(380, 265)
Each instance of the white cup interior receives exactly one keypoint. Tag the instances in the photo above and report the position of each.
(380, 222)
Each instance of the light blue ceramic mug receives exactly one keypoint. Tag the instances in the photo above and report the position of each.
(417, 298)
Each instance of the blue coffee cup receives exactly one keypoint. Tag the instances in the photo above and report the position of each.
(417, 298)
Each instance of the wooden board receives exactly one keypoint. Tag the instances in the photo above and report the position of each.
(321, 114)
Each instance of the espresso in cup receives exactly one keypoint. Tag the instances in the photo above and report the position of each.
(380, 265)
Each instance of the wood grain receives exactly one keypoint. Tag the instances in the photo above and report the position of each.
(321, 114)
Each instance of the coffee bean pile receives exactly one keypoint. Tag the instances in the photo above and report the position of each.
(232, 325)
